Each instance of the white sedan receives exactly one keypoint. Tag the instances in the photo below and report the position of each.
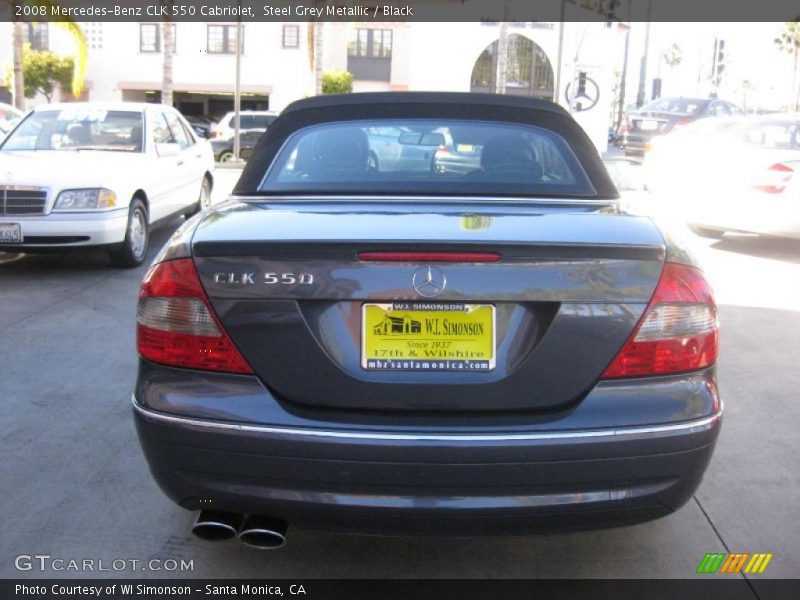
(99, 175)
(736, 175)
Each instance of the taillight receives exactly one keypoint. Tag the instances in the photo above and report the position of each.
(680, 122)
(775, 179)
(176, 326)
(678, 331)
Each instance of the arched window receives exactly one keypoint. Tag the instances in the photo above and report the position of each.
(528, 70)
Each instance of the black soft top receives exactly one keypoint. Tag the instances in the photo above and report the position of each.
(424, 105)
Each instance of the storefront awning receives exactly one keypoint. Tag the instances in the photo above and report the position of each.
(195, 88)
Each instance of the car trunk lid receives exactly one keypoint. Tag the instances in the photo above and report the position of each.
(569, 285)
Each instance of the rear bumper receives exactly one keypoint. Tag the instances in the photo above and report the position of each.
(748, 213)
(635, 142)
(455, 482)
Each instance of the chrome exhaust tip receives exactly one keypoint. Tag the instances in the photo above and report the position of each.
(264, 533)
(216, 525)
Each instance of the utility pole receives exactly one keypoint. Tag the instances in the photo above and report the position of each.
(560, 57)
(623, 80)
(640, 96)
(237, 92)
(502, 57)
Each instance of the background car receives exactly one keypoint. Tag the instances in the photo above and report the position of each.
(249, 120)
(223, 148)
(667, 115)
(202, 126)
(99, 175)
(355, 347)
(401, 148)
(742, 175)
(674, 161)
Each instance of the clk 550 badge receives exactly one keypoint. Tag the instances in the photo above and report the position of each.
(251, 277)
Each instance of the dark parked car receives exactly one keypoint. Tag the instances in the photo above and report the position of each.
(201, 125)
(665, 115)
(496, 352)
(223, 148)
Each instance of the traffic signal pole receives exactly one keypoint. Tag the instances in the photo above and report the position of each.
(640, 96)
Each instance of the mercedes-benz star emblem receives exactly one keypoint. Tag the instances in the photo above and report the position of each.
(429, 281)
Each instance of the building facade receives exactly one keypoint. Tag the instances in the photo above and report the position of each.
(569, 63)
(125, 63)
(545, 60)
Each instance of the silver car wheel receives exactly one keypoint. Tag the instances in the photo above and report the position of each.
(137, 233)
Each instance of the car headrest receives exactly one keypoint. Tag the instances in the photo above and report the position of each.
(508, 151)
(341, 148)
(136, 136)
(79, 133)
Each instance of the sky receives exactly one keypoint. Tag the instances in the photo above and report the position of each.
(749, 51)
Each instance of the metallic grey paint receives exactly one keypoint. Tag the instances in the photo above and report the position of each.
(539, 443)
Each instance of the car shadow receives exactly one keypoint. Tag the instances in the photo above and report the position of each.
(782, 249)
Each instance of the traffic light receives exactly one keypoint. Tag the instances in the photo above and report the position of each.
(656, 88)
(720, 58)
(610, 16)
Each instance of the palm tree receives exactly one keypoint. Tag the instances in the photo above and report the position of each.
(672, 57)
(789, 41)
(167, 47)
(315, 42)
(19, 72)
(71, 27)
(319, 45)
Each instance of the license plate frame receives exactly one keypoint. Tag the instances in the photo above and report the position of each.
(648, 125)
(11, 233)
(453, 352)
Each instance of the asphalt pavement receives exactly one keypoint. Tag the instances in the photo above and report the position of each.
(76, 486)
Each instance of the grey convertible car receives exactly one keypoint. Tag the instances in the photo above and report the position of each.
(358, 348)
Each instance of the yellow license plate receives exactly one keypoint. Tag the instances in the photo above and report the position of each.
(425, 336)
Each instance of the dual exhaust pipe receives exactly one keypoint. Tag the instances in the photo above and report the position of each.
(256, 531)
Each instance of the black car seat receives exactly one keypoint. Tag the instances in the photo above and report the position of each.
(79, 134)
(340, 153)
(510, 157)
(136, 138)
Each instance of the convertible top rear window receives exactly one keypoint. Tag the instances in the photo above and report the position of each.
(431, 156)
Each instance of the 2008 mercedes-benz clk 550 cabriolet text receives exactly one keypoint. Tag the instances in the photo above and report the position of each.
(405, 349)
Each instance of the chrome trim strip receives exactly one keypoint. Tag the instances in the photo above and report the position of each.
(22, 188)
(695, 426)
(380, 198)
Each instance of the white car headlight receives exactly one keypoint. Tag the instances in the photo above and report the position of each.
(95, 198)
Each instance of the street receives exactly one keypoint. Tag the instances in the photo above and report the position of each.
(76, 486)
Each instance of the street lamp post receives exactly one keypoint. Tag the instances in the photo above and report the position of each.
(640, 96)
(237, 92)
